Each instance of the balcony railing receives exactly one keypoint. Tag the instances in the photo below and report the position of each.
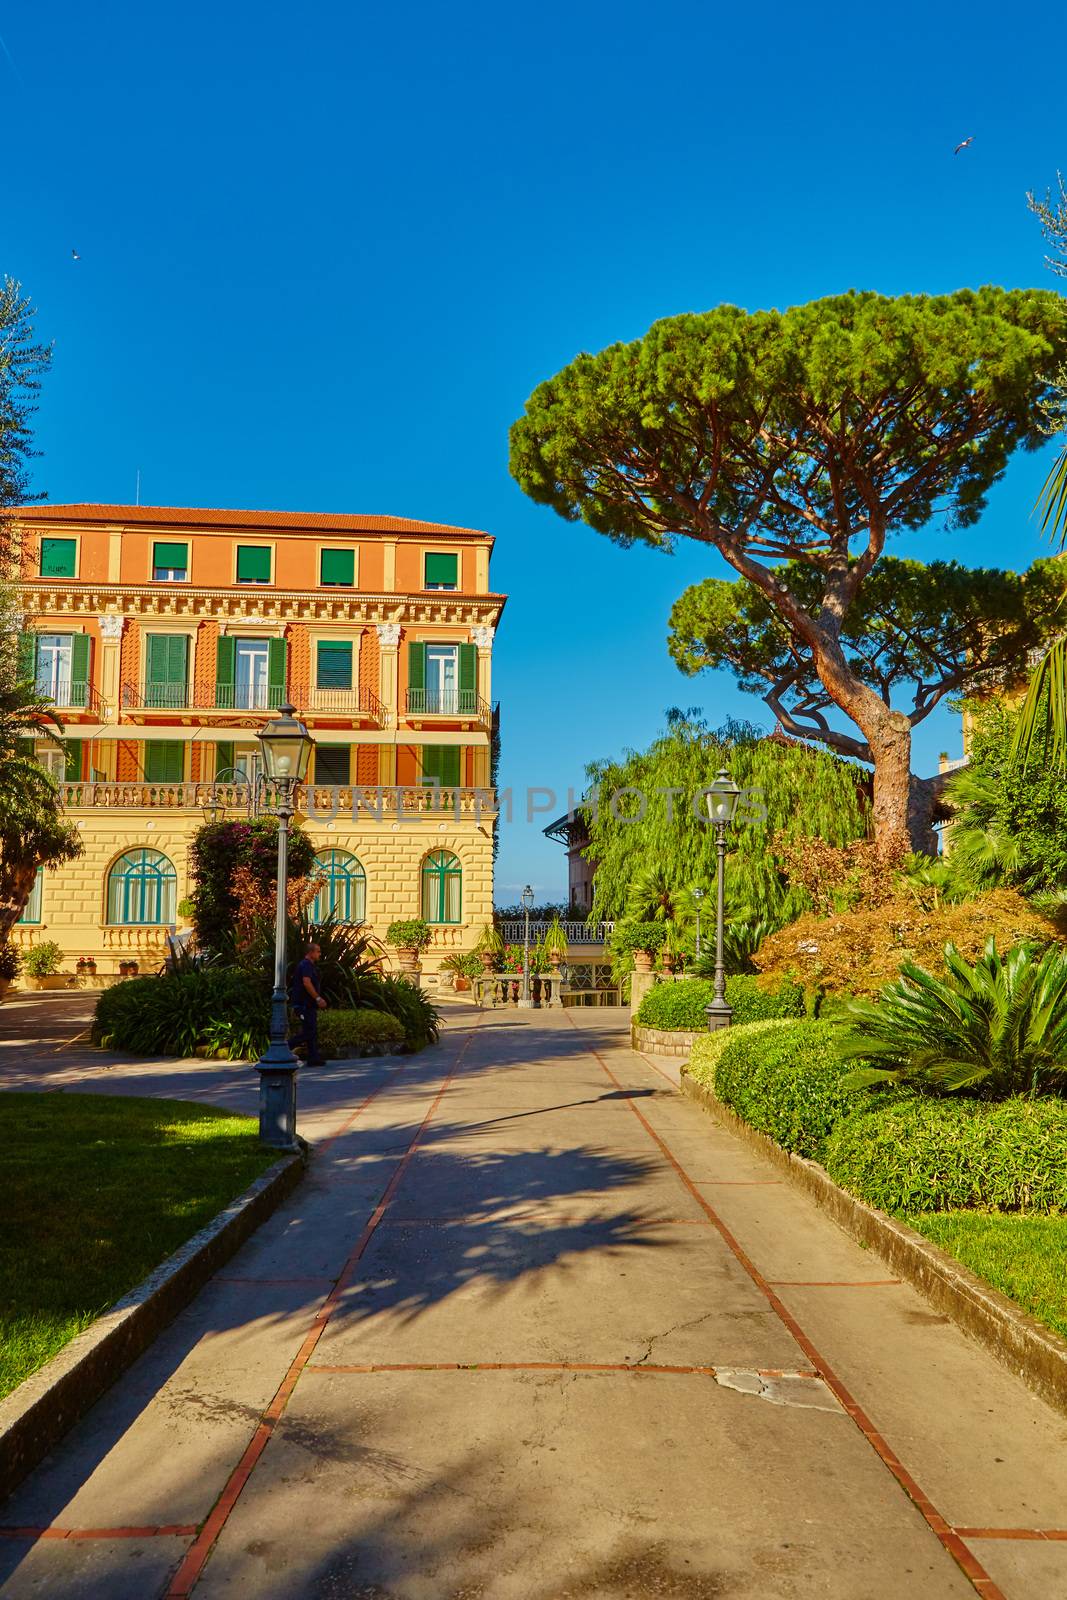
(514, 931)
(67, 694)
(309, 699)
(370, 803)
(447, 703)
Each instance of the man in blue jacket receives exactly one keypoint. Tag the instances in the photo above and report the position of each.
(306, 999)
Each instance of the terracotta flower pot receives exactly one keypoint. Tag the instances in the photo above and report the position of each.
(667, 962)
(555, 957)
(642, 961)
(487, 959)
(408, 959)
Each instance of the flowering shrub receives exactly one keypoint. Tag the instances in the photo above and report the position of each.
(217, 851)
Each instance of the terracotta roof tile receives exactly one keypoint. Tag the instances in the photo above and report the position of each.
(199, 517)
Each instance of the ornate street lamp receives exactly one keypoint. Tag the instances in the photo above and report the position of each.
(698, 895)
(526, 899)
(722, 797)
(286, 746)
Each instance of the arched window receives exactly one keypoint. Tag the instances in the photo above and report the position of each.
(141, 888)
(442, 888)
(32, 909)
(344, 892)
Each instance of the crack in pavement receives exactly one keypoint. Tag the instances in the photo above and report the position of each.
(789, 1389)
(694, 1322)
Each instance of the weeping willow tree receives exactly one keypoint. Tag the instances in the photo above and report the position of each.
(650, 839)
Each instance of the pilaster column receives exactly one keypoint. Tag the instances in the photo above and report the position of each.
(389, 692)
(107, 671)
(483, 636)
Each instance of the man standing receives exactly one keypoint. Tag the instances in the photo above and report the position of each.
(305, 998)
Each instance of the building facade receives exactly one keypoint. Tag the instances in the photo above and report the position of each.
(167, 637)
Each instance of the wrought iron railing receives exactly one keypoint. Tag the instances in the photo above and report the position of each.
(513, 931)
(308, 698)
(447, 703)
(68, 694)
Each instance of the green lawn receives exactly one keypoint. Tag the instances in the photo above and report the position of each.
(1024, 1257)
(96, 1191)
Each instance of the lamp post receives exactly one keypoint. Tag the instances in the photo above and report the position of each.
(722, 797)
(526, 899)
(698, 895)
(286, 746)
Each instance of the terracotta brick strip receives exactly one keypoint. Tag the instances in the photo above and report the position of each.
(189, 1573)
(634, 1367)
(834, 1283)
(950, 1539)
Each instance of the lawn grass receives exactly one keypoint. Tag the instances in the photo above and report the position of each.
(1024, 1257)
(96, 1191)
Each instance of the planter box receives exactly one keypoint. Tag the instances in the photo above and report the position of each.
(55, 980)
(662, 1041)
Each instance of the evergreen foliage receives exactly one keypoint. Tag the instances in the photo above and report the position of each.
(1010, 818)
(218, 849)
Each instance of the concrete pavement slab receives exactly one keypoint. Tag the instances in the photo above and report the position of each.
(91, 1569)
(1024, 1568)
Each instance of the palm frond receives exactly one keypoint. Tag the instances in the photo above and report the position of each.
(1052, 501)
(1041, 729)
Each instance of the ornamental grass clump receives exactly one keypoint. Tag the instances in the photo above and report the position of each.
(997, 1026)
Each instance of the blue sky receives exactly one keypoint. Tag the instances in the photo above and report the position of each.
(326, 253)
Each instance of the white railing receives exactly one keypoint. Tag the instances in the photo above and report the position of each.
(317, 801)
(514, 931)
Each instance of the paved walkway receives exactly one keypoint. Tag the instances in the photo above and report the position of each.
(535, 1328)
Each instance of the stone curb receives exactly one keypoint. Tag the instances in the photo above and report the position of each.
(1022, 1344)
(661, 1041)
(48, 1403)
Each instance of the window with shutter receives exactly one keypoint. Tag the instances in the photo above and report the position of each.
(337, 567)
(333, 665)
(224, 772)
(170, 563)
(441, 761)
(333, 763)
(59, 558)
(164, 761)
(253, 564)
(166, 669)
(416, 676)
(440, 571)
(27, 657)
(80, 645)
(468, 677)
(72, 769)
(225, 671)
(276, 659)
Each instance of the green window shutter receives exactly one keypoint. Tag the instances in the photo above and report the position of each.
(170, 557)
(155, 663)
(276, 657)
(27, 661)
(416, 676)
(58, 558)
(79, 669)
(441, 571)
(253, 564)
(74, 761)
(468, 677)
(166, 658)
(164, 761)
(333, 763)
(225, 670)
(177, 657)
(224, 759)
(338, 567)
(333, 665)
(441, 761)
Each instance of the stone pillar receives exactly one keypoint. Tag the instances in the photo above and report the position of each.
(107, 672)
(482, 636)
(640, 984)
(388, 693)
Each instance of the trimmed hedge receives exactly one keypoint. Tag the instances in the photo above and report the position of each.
(683, 1004)
(914, 1153)
(707, 1049)
(356, 1033)
(786, 1083)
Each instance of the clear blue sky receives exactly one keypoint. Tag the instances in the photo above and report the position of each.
(328, 250)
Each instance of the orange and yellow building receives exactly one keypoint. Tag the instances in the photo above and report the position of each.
(167, 637)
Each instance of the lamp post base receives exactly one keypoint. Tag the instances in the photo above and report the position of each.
(719, 1015)
(277, 1097)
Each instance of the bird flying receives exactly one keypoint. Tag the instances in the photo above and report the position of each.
(75, 254)
(963, 145)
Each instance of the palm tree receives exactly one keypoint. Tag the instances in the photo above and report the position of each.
(1043, 718)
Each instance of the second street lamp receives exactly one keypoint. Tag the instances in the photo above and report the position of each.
(722, 797)
(286, 746)
(527, 900)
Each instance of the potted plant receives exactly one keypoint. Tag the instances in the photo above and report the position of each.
(124, 969)
(554, 943)
(185, 910)
(462, 968)
(641, 940)
(90, 966)
(409, 939)
(42, 964)
(489, 948)
(675, 949)
(10, 965)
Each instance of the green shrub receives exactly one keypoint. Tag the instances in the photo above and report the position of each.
(463, 965)
(357, 1033)
(708, 1047)
(400, 998)
(786, 1083)
(43, 960)
(683, 1005)
(217, 850)
(916, 1153)
(223, 1010)
(10, 961)
(647, 937)
(414, 934)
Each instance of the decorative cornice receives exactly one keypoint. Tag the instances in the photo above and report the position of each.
(388, 635)
(483, 636)
(273, 606)
(111, 625)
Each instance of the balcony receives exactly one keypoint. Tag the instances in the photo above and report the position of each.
(66, 694)
(364, 803)
(461, 704)
(308, 699)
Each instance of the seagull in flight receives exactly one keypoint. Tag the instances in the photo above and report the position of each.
(75, 254)
(963, 145)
